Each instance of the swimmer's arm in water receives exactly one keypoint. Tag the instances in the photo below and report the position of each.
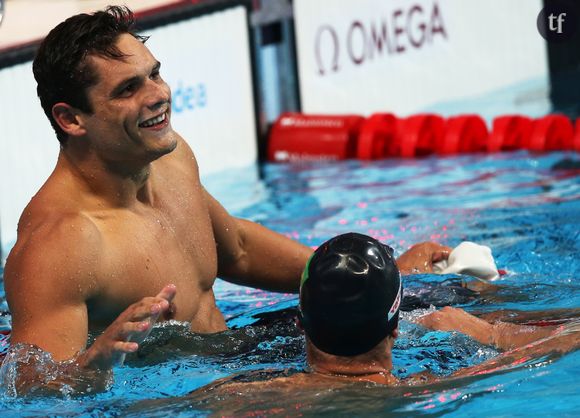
(49, 276)
(563, 339)
(252, 255)
(544, 318)
(504, 336)
(420, 258)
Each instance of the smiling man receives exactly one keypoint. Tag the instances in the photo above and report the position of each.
(123, 232)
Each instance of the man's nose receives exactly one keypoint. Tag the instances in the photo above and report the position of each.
(158, 94)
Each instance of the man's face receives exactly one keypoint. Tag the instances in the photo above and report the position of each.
(131, 106)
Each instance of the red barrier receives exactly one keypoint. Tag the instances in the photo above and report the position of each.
(463, 134)
(509, 133)
(551, 133)
(295, 136)
(417, 135)
(376, 134)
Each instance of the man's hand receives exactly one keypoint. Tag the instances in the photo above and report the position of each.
(420, 258)
(503, 336)
(456, 319)
(129, 330)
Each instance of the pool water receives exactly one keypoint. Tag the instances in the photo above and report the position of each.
(525, 207)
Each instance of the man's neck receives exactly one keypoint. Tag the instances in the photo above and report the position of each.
(121, 185)
(373, 366)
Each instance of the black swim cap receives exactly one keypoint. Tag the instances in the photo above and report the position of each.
(350, 294)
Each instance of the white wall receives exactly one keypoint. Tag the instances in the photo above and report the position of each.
(431, 51)
(29, 20)
(209, 71)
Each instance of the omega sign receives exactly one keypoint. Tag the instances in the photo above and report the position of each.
(397, 32)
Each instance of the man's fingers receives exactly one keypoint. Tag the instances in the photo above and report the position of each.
(141, 331)
(429, 320)
(168, 292)
(130, 328)
(425, 319)
(125, 346)
(147, 308)
(439, 256)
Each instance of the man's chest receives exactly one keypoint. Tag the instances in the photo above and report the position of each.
(143, 252)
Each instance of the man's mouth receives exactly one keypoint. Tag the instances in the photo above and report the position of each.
(154, 121)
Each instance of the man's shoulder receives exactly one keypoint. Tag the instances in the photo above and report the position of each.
(182, 157)
(49, 240)
(47, 226)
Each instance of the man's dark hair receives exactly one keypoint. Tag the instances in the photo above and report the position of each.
(60, 67)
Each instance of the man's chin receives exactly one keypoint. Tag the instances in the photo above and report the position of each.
(164, 146)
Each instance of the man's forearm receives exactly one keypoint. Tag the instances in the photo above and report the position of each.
(269, 260)
(508, 336)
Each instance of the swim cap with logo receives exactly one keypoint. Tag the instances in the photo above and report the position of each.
(350, 294)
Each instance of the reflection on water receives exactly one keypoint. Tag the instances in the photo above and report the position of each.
(527, 212)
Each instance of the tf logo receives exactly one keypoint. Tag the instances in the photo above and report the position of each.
(558, 21)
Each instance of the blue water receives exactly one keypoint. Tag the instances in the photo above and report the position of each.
(516, 203)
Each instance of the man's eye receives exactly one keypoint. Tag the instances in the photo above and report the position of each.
(128, 90)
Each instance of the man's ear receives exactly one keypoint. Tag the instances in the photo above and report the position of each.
(68, 118)
(395, 333)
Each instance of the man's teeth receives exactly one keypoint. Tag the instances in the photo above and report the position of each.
(153, 121)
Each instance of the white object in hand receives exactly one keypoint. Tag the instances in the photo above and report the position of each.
(471, 259)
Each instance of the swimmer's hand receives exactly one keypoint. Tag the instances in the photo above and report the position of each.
(503, 336)
(129, 330)
(456, 319)
(420, 258)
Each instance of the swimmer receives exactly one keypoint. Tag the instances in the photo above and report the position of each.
(349, 306)
(123, 233)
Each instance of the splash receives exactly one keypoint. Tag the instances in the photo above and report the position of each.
(28, 370)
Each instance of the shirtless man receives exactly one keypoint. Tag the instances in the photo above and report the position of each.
(349, 310)
(123, 232)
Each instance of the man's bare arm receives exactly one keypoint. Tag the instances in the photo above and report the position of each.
(523, 343)
(49, 276)
(255, 256)
(252, 255)
(502, 335)
(544, 318)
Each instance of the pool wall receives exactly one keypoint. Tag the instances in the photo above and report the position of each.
(402, 57)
